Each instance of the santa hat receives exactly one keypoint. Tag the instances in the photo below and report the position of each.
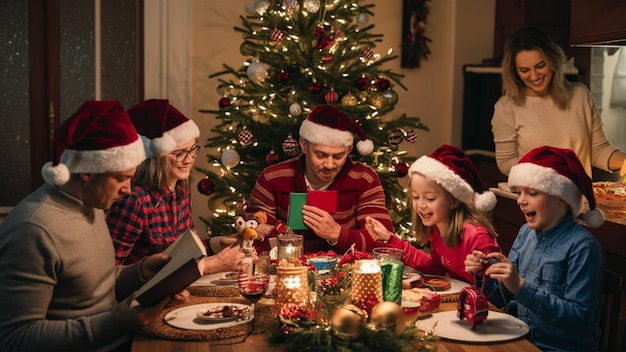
(328, 125)
(558, 172)
(453, 170)
(98, 138)
(162, 128)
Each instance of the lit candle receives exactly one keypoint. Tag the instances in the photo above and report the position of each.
(292, 287)
(367, 281)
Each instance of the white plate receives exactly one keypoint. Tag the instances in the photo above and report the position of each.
(187, 317)
(455, 285)
(240, 314)
(497, 327)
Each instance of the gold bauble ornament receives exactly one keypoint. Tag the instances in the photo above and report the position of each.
(388, 316)
(391, 97)
(348, 100)
(377, 100)
(348, 321)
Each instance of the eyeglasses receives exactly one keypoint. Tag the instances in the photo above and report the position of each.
(183, 154)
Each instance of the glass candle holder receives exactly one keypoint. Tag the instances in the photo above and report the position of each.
(290, 247)
(391, 266)
(367, 283)
(292, 286)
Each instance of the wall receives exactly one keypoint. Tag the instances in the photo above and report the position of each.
(461, 33)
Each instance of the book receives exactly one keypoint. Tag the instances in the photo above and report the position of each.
(178, 273)
(325, 200)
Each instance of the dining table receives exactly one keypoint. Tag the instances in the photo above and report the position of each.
(259, 341)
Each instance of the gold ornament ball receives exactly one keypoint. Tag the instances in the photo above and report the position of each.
(377, 100)
(391, 97)
(348, 321)
(349, 100)
(388, 316)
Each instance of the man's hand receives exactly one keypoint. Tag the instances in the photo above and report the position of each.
(321, 222)
(130, 316)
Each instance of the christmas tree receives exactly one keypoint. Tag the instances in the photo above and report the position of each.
(303, 54)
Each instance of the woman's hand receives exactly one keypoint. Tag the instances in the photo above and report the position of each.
(377, 230)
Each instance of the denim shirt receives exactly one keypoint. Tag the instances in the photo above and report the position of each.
(561, 297)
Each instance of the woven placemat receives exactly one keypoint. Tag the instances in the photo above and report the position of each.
(263, 317)
(214, 291)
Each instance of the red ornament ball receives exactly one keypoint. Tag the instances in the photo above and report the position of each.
(362, 83)
(206, 186)
(224, 102)
(382, 84)
(315, 87)
(276, 36)
(401, 169)
(411, 136)
(331, 97)
(291, 146)
(245, 136)
(368, 53)
(282, 77)
(271, 158)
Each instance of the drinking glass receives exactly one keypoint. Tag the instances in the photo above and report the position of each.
(252, 287)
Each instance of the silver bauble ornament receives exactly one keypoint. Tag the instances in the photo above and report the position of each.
(295, 109)
(230, 158)
(391, 97)
(257, 71)
(260, 6)
(388, 316)
(249, 8)
(348, 321)
(311, 6)
(362, 18)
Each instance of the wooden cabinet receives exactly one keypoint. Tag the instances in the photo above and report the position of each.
(598, 22)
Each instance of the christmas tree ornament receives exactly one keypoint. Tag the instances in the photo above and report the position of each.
(315, 87)
(245, 136)
(410, 136)
(362, 18)
(276, 36)
(348, 321)
(224, 102)
(206, 186)
(401, 169)
(282, 77)
(363, 83)
(311, 6)
(260, 6)
(295, 109)
(377, 100)
(391, 97)
(388, 316)
(271, 158)
(230, 158)
(291, 146)
(256, 71)
(368, 53)
(291, 6)
(382, 84)
(349, 100)
(249, 8)
(331, 96)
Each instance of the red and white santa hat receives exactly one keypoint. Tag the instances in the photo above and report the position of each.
(163, 129)
(558, 172)
(330, 126)
(453, 170)
(98, 138)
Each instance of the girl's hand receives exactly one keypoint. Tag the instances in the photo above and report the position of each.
(475, 262)
(377, 230)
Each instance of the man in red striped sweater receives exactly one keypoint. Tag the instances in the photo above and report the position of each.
(326, 140)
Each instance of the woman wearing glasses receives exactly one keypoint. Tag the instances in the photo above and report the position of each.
(158, 209)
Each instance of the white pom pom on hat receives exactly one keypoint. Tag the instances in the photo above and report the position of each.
(453, 170)
(162, 128)
(558, 172)
(330, 126)
(98, 138)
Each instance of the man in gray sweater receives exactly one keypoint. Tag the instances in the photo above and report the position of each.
(60, 289)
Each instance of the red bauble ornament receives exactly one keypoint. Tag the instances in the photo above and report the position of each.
(276, 36)
(224, 102)
(362, 83)
(411, 136)
(245, 136)
(331, 97)
(282, 77)
(401, 169)
(291, 146)
(271, 158)
(315, 87)
(382, 84)
(206, 186)
(368, 53)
